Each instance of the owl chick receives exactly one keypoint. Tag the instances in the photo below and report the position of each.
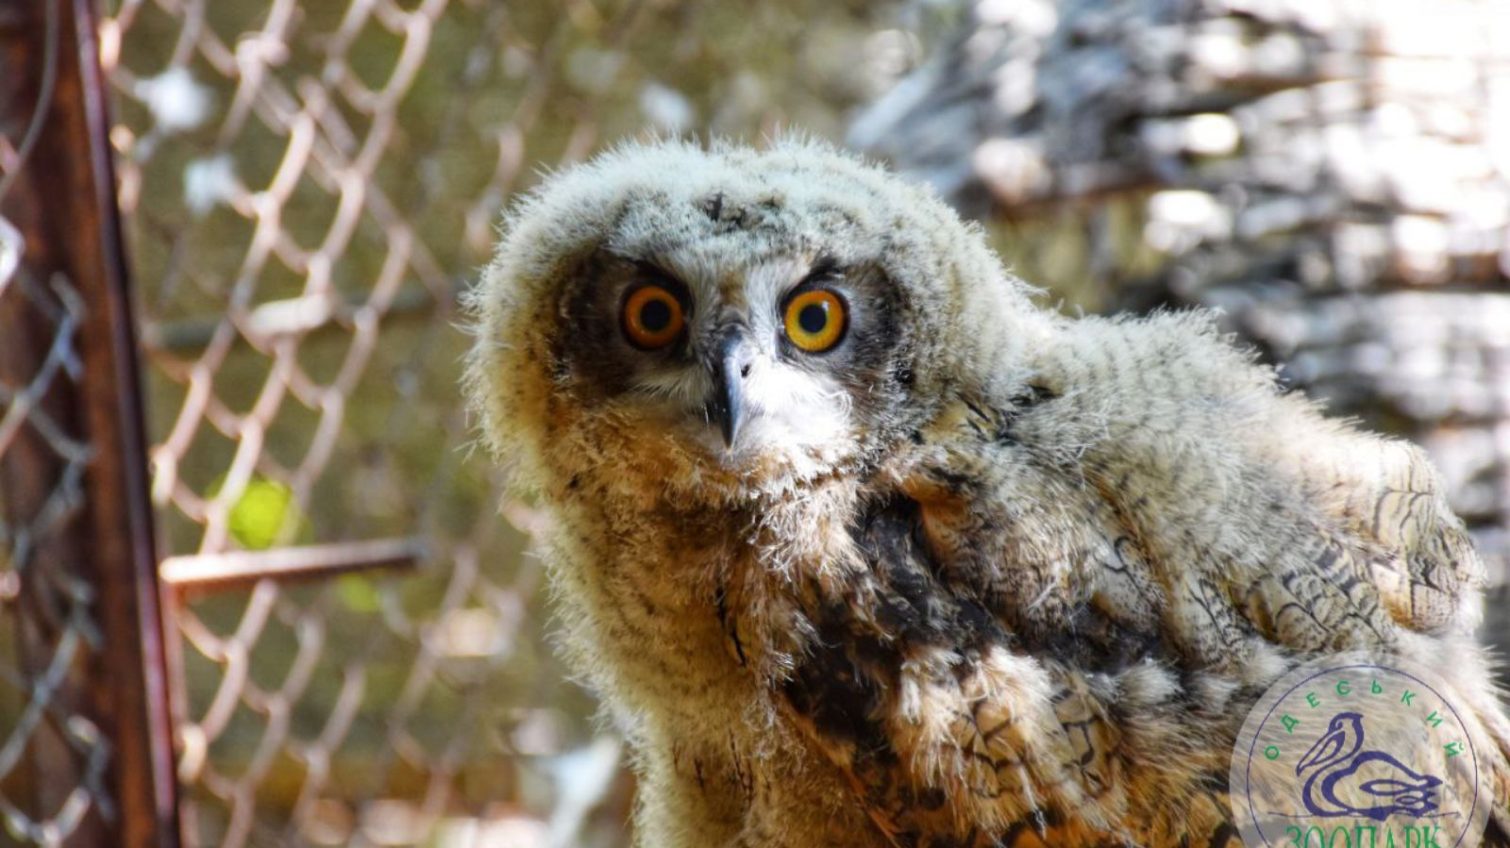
(861, 547)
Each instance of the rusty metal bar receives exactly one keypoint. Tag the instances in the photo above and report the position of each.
(63, 201)
(194, 334)
(146, 784)
(38, 328)
(305, 562)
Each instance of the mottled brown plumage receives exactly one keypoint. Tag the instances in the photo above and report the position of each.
(976, 575)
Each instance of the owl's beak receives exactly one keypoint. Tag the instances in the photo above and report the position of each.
(732, 358)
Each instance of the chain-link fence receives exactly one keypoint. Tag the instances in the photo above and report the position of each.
(357, 649)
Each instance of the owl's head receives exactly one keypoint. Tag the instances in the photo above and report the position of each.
(730, 322)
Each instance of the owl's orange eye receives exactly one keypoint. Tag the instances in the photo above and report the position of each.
(815, 320)
(652, 317)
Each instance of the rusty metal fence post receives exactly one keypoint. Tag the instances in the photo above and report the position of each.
(86, 756)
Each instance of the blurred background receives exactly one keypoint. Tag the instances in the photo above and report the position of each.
(357, 645)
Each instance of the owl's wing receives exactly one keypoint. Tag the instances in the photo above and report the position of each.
(1387, 497)
(1266, 529)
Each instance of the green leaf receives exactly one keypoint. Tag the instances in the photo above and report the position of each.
(262, 512)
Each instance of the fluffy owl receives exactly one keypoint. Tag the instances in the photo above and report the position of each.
(861, 547)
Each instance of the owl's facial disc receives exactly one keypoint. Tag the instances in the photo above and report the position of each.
(771, 370)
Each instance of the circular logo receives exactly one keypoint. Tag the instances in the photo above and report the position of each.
(1358, 752)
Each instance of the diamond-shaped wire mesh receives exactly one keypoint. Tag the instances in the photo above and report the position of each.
(46, 604)
(307, 188)
(53, 758)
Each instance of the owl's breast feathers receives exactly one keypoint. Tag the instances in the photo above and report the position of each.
(1055, 606)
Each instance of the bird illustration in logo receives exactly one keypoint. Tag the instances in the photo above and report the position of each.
(1346, 780)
